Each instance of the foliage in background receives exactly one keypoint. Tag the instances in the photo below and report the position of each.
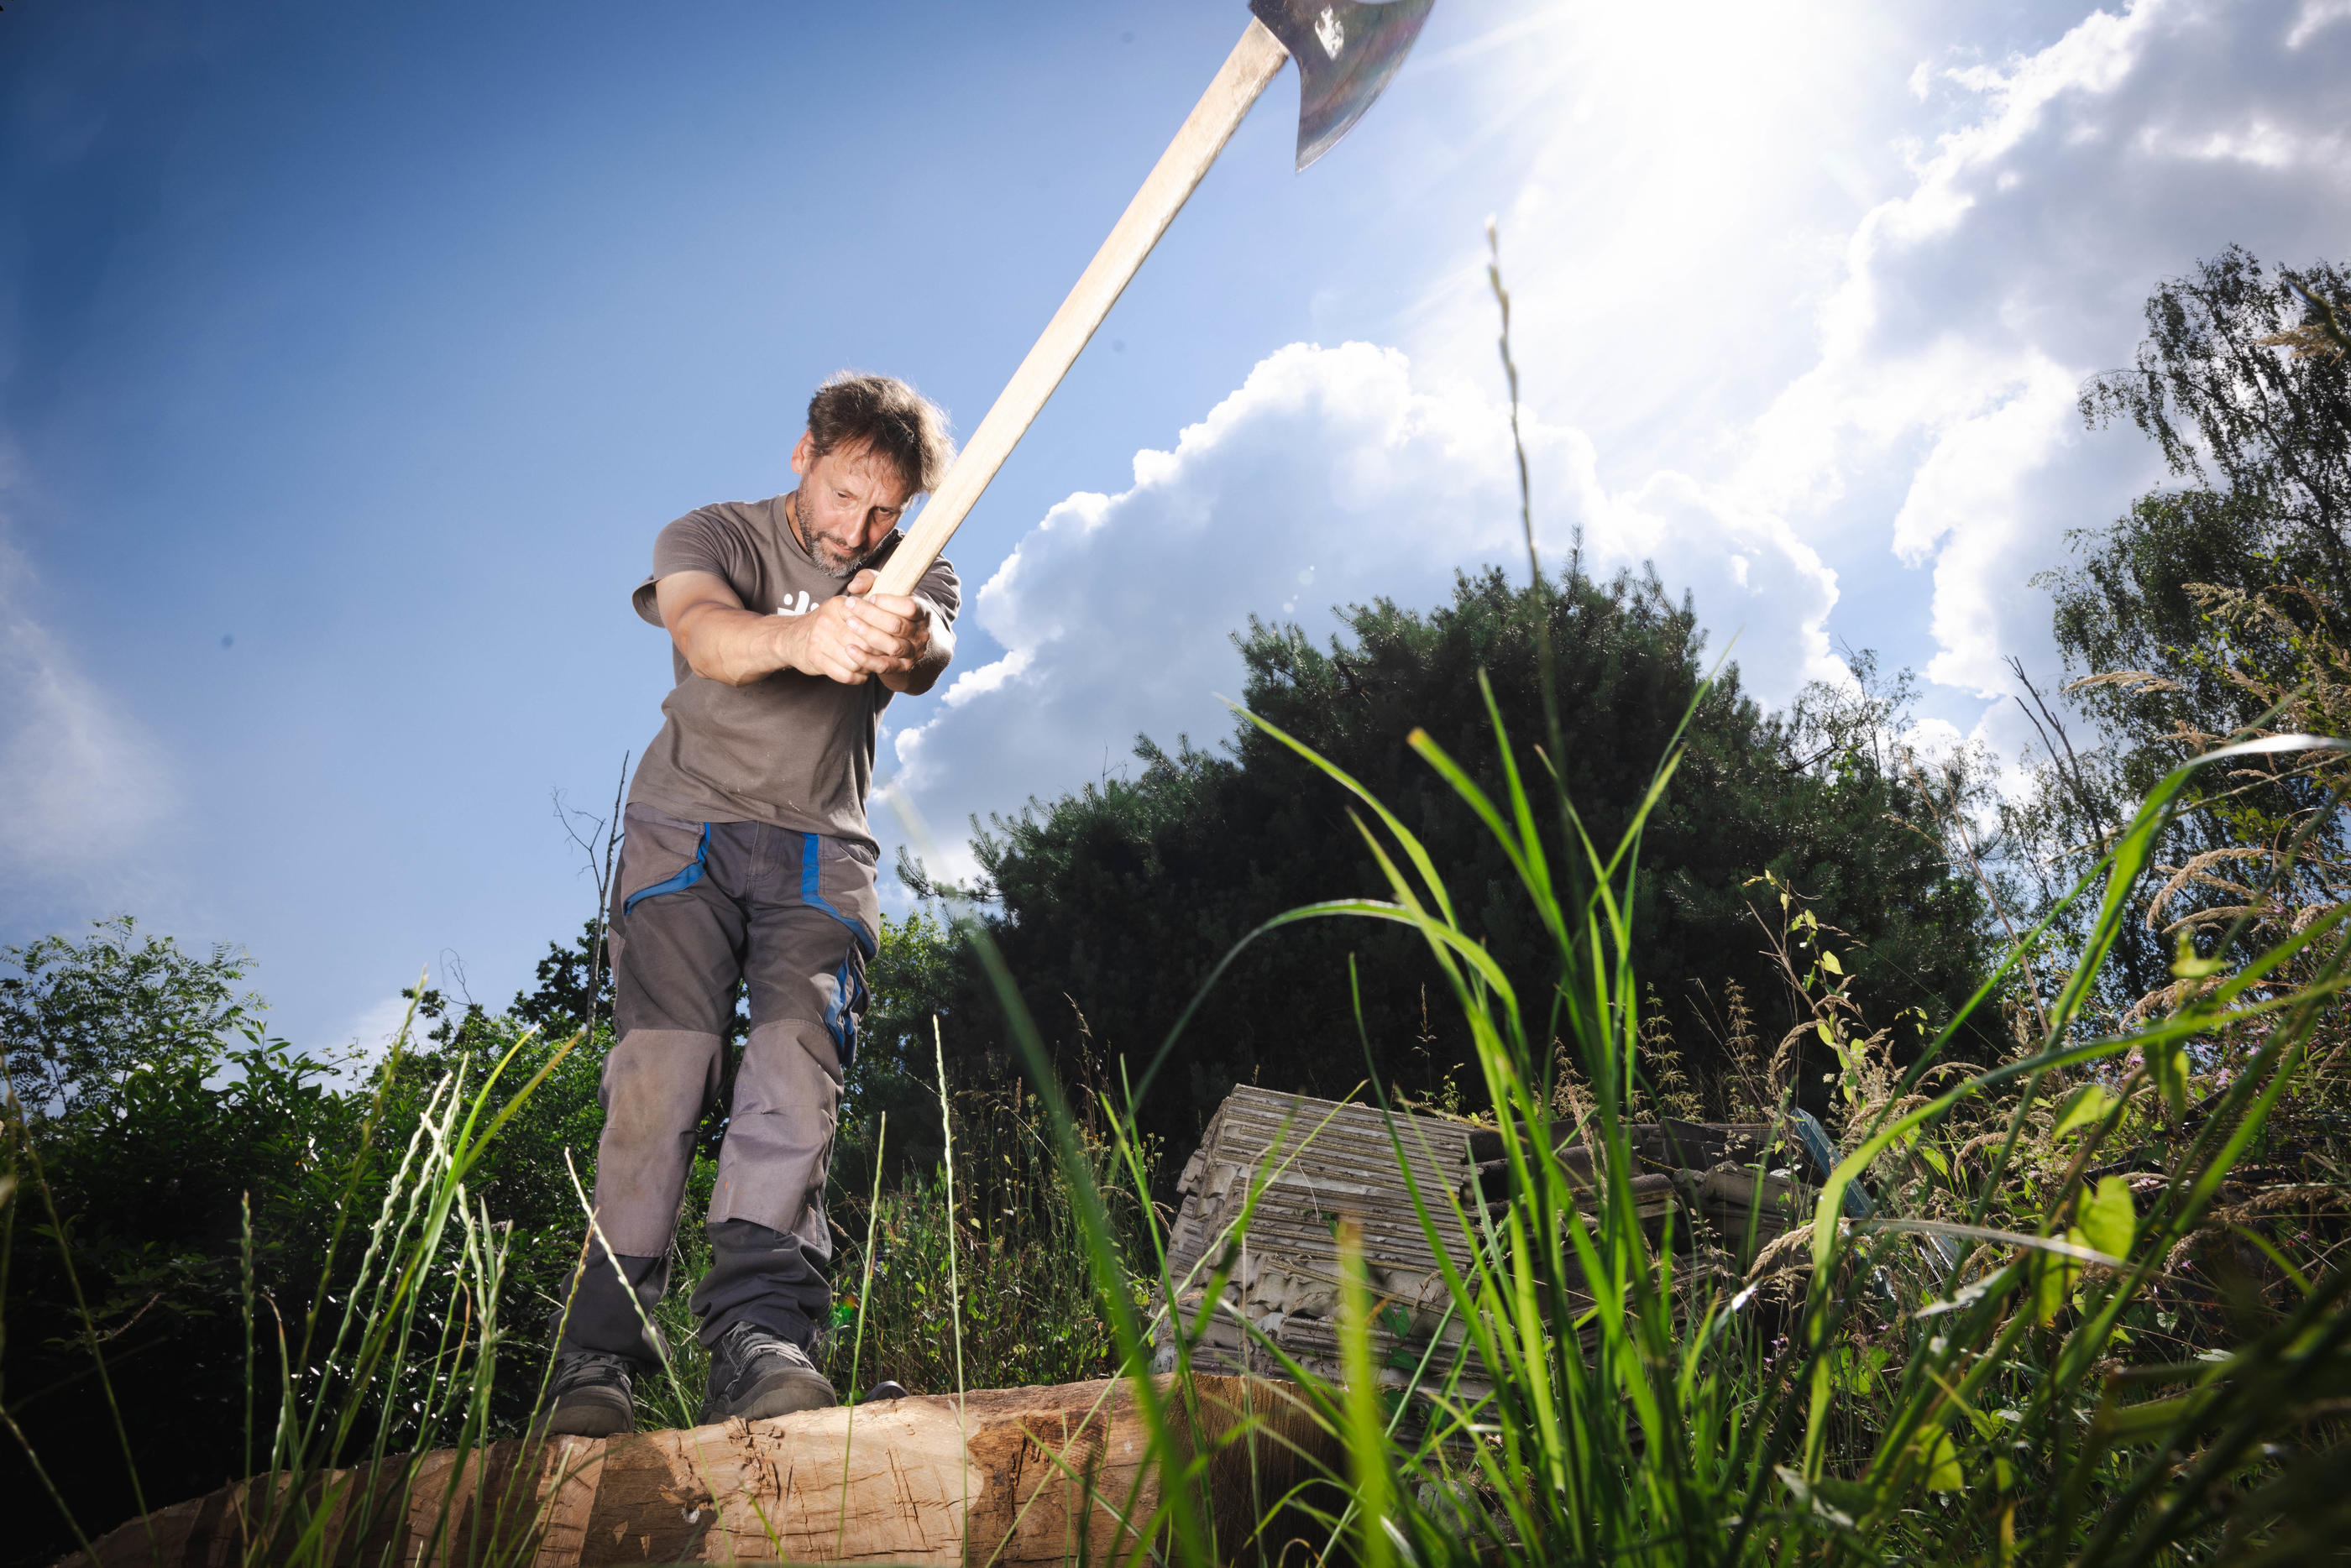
(2203, 607)
(1115, 902)
(80, 1020)
(1030, 1311)
(164, 1108)
(154, 1102)
(2085, 1307)
(2257, 438)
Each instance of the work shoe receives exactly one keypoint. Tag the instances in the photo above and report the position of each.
(588, 1395)
(754, 1375)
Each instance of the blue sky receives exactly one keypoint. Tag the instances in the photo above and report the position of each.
(350, 358)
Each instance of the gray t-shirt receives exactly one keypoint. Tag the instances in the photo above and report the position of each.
(793, 750)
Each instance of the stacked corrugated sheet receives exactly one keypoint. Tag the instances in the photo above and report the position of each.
(1308, 1164)
(1311, 1164)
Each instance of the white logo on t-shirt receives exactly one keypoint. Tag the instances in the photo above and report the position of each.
(800, 606)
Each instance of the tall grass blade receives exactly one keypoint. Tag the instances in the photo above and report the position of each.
(955, 1288)
(857, 1345)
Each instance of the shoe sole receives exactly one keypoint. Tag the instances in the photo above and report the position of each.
(580, 1419)
(783, 1394)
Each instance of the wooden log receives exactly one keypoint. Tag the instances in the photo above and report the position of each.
(1013, 1477)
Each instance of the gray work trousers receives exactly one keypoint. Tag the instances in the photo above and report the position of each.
(697, 907)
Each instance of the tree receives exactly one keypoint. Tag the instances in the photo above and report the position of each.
(80, 1020)
(560, 1002)
(2255, 427)
(1114, 903)
(2212, 597)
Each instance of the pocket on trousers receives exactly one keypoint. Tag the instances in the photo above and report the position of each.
(659, 855)
(837, 877)
(844, 1014)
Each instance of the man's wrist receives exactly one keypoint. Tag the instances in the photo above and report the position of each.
(788, 643)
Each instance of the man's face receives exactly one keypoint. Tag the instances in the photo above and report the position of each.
(849, 500)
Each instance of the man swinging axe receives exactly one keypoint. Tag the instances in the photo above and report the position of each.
(747, 859)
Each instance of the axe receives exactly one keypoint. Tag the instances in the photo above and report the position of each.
(1346, 51)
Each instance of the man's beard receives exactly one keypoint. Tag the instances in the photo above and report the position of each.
(831, 562)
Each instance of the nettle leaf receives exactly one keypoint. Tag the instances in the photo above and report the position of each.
(2086, 1108)
(1943, 1472)
(1398, 1323)
(2108, 1219)
(1840, 1504)
(2054, 1278)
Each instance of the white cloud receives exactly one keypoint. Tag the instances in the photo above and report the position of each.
(372, 1029)
(2006, 218)
(1976, 303)
(1934, 740)
(2315, 17)
(1800, 298)
(1756, 584)
(1332, 476)
(85, 788)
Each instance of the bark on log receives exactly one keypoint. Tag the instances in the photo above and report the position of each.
(1019, 1476)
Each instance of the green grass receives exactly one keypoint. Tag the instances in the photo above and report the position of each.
(1984, 1371)
(1029, 1306)
(1904, 1409)
(404, 1359)
(2015, 1360)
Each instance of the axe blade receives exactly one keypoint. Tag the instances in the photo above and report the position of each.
(1346, 50)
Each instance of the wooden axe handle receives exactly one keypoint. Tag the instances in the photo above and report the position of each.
(1247, 70)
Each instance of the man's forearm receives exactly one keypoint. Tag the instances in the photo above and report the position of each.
(735, 646)
(849, 638)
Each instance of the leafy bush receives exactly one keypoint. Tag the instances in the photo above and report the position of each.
(1026, 1306)
(149, 1104)
(189, 1187)
(1115, 902)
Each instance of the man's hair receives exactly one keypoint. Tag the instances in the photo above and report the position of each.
(852, 409)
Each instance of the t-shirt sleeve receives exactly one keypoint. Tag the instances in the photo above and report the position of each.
(941, 587)
(697, 542)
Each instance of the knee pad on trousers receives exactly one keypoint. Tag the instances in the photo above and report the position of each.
(771, 1169)
(657, 1084)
